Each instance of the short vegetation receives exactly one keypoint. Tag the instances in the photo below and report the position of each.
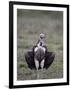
(30, 24)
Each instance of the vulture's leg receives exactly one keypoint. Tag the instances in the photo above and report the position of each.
(37, 66)
(42, 64)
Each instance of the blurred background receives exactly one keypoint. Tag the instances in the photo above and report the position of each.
(30, 23)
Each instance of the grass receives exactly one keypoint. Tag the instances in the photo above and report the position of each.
(29, 25)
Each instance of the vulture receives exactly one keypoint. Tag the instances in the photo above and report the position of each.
(39, 57)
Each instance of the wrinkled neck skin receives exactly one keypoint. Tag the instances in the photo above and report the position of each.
(41, 42)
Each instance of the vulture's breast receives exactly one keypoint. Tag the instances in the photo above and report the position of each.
(39, 53)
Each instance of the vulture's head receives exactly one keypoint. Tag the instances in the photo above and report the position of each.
(42, 36)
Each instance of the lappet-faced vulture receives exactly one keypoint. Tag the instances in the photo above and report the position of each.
(39, 57)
